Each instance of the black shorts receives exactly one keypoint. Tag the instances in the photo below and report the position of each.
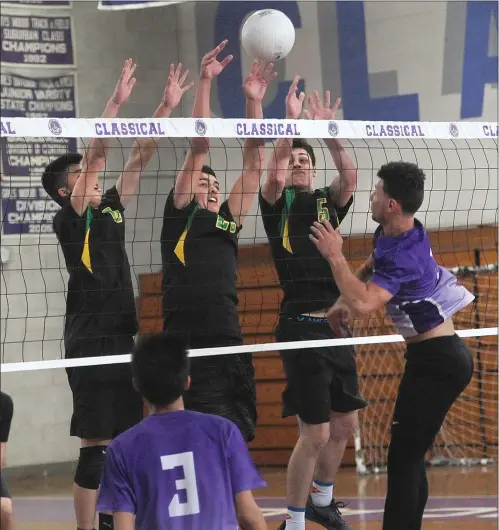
(105, 403)
(319, 380)
(4, 488)
(223, 385)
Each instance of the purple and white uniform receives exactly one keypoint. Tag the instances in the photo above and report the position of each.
(178, 471)
(424, 294)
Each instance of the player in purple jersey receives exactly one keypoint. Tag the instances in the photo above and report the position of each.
(421, 298)
(177, 469)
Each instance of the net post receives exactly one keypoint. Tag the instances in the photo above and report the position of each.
(476, 318)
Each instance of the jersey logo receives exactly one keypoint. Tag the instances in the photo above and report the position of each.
(115, 214)
(225, 225)
(322, 210)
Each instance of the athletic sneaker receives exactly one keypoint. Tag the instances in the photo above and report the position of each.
(327, 516)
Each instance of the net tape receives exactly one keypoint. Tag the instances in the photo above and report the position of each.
(244, 128)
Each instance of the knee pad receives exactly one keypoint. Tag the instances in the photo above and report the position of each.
(88, 471)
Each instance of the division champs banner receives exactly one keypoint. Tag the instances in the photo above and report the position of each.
(117, 5)
(37, 3)
(25, 97)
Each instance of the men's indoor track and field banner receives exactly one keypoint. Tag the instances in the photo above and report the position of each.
(27, 210)
(24, 97)
(30, 4)
(117, 5)
(37, 41)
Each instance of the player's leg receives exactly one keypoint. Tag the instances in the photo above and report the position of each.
(6, 516)
(436, 373)
(306, 396)
(92, 422)
(345, 402)
(242, 393)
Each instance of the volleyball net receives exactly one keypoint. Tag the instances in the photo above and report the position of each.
(460, 213)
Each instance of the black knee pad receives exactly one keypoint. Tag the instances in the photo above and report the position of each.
(88, 472)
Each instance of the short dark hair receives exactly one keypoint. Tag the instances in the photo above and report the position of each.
(56, 173)
(208, 171)
(404, 182)
(160, 367)
(300, 143)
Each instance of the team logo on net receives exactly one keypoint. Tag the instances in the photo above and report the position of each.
(200, 127)
(453, 130)
(55, 127)
(333, 129)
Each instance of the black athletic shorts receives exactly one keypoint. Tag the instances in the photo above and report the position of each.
(319, 380)
(105, 403)
(4, 488)
(223, 385)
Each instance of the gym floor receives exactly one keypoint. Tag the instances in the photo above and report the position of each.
(460, 499)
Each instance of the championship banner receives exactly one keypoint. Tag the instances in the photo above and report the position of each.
(28, 98)
(38, 40)
(118, 5)
(51, 4)
(27, 210)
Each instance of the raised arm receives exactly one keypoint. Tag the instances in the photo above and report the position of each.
(188, 177)
(95, 154)
(343, 185)
(246, 186)
(143, 148)
(278, 167)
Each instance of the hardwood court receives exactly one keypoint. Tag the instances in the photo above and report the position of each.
(461, 499)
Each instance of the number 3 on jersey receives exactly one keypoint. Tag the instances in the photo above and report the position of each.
(322, 210)
(188, 484)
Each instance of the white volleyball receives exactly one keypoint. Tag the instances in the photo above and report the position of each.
(268, 35)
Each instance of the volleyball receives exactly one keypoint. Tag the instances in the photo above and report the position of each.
(268, 35)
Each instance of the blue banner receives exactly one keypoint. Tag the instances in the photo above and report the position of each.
(35, 98)
(117, 5)
(27, 210)
(41, 40)
(37, 3)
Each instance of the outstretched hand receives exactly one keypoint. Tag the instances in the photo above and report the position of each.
(210, 65)
(258, 80)
(319, 111)
(328, 240)
(125, 84)
(294, 104)
(174, 89)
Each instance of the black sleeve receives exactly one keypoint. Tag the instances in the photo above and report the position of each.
(112, 199)
(6, 412)
(225, 210)
(66, 226)
(171, 211)
(271, 214)
(343, 210)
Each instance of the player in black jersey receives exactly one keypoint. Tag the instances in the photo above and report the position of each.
(100, 309)
(6, 412)
(322, 386)
(199, 247)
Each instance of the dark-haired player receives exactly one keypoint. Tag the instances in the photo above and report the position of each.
(100, 307)
(322, 387)
(6, 413)
(177, 469)
(199, 245)
(421, 297)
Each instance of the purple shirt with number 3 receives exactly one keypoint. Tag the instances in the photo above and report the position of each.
(178, 471)
(424, 294)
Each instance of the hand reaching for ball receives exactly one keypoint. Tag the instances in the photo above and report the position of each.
(256, 83)
(210, 65)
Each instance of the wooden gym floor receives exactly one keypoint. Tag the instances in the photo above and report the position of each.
(460, 499)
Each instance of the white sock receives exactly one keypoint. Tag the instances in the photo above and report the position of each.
(321, 493)
(295, 518)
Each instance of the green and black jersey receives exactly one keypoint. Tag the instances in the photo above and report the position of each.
(305, 276)
(100, 307)
(199, 255)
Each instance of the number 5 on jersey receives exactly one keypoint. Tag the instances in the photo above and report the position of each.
(188, 484)
(322, 210)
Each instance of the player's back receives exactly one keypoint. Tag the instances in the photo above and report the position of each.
(180, 471)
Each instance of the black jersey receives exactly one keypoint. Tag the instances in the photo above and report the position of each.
(100, 308)
(6, 413)
(199, 255)
(305, 276)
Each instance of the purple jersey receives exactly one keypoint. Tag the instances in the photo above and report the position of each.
(424, 294)
(178, 471)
